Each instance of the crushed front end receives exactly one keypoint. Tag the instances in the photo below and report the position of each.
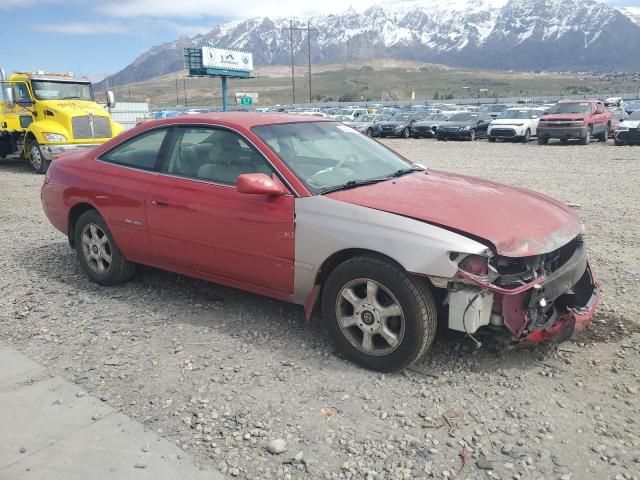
(538, 298)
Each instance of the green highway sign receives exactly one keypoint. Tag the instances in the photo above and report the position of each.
(246, 101)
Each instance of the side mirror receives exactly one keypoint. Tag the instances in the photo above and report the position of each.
(111, 99)
(258, 184)
(8, 97)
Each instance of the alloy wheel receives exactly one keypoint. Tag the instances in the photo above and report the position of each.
(96, 248)
(370, 317)
(35, 156)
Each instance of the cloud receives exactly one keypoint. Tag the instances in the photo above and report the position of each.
(219, 8)
(82, 28)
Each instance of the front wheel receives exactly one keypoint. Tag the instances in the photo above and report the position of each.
(586, 139)
(369, 132)
(98, 253)
(543, 140)
(472, 135)
(527, 136)
(406, 133)
(36, 158)
(377, 314)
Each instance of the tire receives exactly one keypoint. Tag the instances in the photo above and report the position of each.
(406, 133)
(93, 251)
(369, 133)
(543, 140)
(586, 139)
(413, 328)
(605, 135)
(36, 158)
(491, 139)
(527, 136)
(472, 136)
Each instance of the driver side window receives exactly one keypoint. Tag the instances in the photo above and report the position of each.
(215, 155)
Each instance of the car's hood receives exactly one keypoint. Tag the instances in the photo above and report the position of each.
(511, 121)
(429, 123)
(630, 124)
(565, 116)
(516, 221)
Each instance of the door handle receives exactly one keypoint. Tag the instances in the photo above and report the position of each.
(159, 203)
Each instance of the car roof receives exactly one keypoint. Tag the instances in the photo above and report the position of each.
(241, 119)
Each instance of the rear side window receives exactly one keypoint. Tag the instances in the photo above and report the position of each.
(140, 152)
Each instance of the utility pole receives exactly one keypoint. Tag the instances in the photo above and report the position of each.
(177, 98)
(308, 29)
(184, 88)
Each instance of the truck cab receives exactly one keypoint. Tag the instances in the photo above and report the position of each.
(43, 114)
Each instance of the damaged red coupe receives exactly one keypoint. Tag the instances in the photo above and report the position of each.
(312, 212)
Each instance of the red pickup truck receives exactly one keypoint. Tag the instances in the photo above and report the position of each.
(576, 119)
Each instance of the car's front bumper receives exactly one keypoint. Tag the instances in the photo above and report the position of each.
(507, 132)
(50, 151)
(631, 135)
(563, 133)
(453, 135)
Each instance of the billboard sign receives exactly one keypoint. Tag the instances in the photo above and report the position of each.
(227, 59)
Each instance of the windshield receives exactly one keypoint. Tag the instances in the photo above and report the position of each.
(437, 116)
(519, 113)
(402, 118)
(464, 117)
(635, 115)
(326, 155)
(364, 118)
(44, 90)
(581, 107)
(492, 108)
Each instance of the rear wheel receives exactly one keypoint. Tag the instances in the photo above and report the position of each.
(36, 158)
(604, 136)
(377, 314)
(98, 253)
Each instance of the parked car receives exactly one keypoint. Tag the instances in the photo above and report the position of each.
(464, 126)
(426, 128)
(353, 113)
(617, 107)
(632, 106)
(494, 109)
(576, 119)
(516, 124)
(369, 124)
(400, 125)
(628, 132)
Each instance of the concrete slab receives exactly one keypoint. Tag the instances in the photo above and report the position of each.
(108, 449)
(15, 366)
(33, 416)
(49, 432)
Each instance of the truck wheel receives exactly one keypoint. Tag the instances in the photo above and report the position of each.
(36, 158)
(98, 253)
(543, 140)
(586, 139)
(377, 314)
(605, 135)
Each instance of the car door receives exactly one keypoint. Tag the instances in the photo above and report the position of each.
(483, 125)
(600, 119)
(119, 188)
(199, 221)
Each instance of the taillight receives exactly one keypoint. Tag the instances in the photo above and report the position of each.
(475, 265)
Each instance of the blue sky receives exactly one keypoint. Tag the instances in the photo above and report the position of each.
(100, 37)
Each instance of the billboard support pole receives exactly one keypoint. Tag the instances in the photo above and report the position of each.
(224, 94)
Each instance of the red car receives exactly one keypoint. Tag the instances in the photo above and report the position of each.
(309, 211)
(576, 119)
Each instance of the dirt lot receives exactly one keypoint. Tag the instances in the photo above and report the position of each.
(224, 374)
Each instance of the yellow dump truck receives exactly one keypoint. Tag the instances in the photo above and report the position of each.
(43, 114)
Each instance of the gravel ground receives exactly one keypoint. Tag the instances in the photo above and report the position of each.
(246, 384)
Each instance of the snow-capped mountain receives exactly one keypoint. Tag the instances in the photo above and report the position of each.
(494, 34)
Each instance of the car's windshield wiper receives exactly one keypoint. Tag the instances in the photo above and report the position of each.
(70, 98)
(359, 183)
